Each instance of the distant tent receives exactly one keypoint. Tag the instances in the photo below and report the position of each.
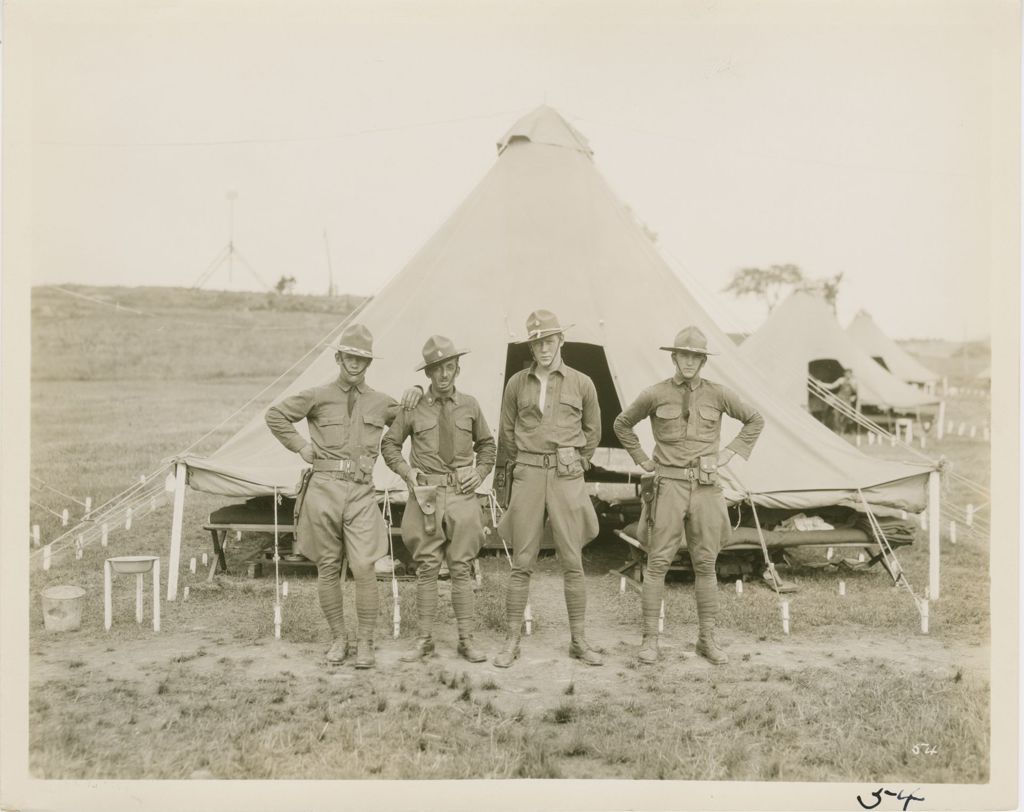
(888, 353)
(543, 229)
(801, 337)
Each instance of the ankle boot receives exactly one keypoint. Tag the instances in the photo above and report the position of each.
(421, 649)
(709, 650)
(649, 652)
(338, 651)
(467, 651)
(580, 649)
(508, 654)
(364, 654)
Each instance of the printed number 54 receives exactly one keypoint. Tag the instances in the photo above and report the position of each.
(924, 747)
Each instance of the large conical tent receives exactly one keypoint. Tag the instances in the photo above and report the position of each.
(803, 330)
(544, 230)
(878, 345)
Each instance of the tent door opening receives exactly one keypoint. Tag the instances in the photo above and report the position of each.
(590, 359)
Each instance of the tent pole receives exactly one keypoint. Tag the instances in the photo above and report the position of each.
(934, 526)
(176, 522)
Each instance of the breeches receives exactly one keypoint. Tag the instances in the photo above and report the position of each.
(687, 513)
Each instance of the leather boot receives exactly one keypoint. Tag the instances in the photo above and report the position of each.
(467, 651)
(709, 650)
(421, 649)
(508, 655)
(364, 654)
(338, 651)
(580, 649)
(648, 649)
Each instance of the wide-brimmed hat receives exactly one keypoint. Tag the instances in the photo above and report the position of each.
(540, 324)
(355, 340)
(438, 349)
(690, 339)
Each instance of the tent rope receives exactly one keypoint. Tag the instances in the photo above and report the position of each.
(44, 507)
(900, 577)
(277, 571)
(760, 535)
(61, 493)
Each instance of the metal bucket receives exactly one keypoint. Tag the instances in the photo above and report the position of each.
(62, 608)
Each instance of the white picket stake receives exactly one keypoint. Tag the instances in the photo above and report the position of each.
(396, 615)
(861, 558)
(661, 618)
(142, 479)
(739, 586)
(622, 584)
(88, 505)
(277, 621)
(104, 535)
(974, 432)
(952, 532)
(238, 535)
(528, 617)
(184, 594)
(284, 587)
(934, 550)
(842, 588)
(924, 616)
(64, 518)
(128, 519)
(192, 566)
(205, 559)
(79, 546)
(47, 557)
(829, 553)
(35, 535)
(970, 515)
(785, 617)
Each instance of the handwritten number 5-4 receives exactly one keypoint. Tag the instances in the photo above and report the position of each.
(924, 747)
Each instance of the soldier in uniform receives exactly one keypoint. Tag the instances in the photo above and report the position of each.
(452, 453)
(337, 514)
(550, 428)
(683, 500)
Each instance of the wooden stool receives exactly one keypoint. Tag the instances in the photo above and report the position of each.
(128, 565)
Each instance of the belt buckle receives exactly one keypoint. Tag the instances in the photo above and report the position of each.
(546, 460)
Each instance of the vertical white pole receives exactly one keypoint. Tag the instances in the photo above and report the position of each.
(940, 424)
(64, 518)
(88, 505)
(842, 588)
(739, 586)
(176, 521)
(924, 616)
(528, 617)
(107, 611)
(970, 515)
(910, 432)
(184, 594)
(128, 519)
(47, 554)
(952, 531)
(205, 560)
(934, 526)
(284, 589)
(104, 535)
(661, 618)
(622, 584)
(277, 621)
(192, 565)
(138, 597)
(785, 617)
(156, 595)
(35, 535)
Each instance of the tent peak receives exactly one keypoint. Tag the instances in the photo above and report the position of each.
(545, 125)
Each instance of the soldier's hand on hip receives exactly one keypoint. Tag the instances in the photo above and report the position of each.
(306, 452)
(724, 456)
(412, 482)
(648, 466)
(470, 483)
(411, 397)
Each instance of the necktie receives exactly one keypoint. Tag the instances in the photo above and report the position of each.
(353, 393)
(446, 438)
(686, 402)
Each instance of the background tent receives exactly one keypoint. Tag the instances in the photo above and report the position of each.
(870, 338)
(543, 229)
(803, 331)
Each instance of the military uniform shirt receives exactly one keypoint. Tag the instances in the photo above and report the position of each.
(571, 417)
(471, 436)
(681, 440)
(334, 433)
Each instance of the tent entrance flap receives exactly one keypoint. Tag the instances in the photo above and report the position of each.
(878, 359)
(590, 359)
(826, 370)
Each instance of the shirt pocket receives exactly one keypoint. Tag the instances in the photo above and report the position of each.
(373, 428)
(667, 423)
(425, 435)
(570, 411)
(709, 421)
(464, 436)
(333, 431)
(527, 412)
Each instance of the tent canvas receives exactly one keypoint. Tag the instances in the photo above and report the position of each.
(870, 338)
(543, 229)
(803, 329)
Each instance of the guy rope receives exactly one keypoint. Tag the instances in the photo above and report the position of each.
(492, 503)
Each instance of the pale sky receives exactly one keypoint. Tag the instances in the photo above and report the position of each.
(856, 137)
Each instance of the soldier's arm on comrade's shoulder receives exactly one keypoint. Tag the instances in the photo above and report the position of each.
(282, 415)
(623, 426)
(734, 406)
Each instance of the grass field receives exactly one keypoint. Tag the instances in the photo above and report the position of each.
(846, 696)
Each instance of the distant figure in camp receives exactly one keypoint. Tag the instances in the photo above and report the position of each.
(550, 428)
(683, 502)
(337, 516)
(845, 389)
(452, 453)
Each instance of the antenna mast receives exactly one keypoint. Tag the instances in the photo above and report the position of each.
(228, 253)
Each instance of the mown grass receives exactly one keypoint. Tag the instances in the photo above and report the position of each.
(815, 724)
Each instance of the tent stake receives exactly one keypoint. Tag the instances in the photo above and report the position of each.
(528, 617)
(35, 534)
(64, 518)
(970, 516)
(842, 588)
(176, 522)
(952, 531)
(661, 618)
(104, 535)
(785, 617)
(924, 616)
(47, 557)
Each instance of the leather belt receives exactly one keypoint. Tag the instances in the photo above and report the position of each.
(689, 473)
(449, 480)
(336, 466)
(537, 460)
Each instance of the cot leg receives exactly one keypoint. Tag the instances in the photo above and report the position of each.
(156, 595)
(138, 597)
(107, 610)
